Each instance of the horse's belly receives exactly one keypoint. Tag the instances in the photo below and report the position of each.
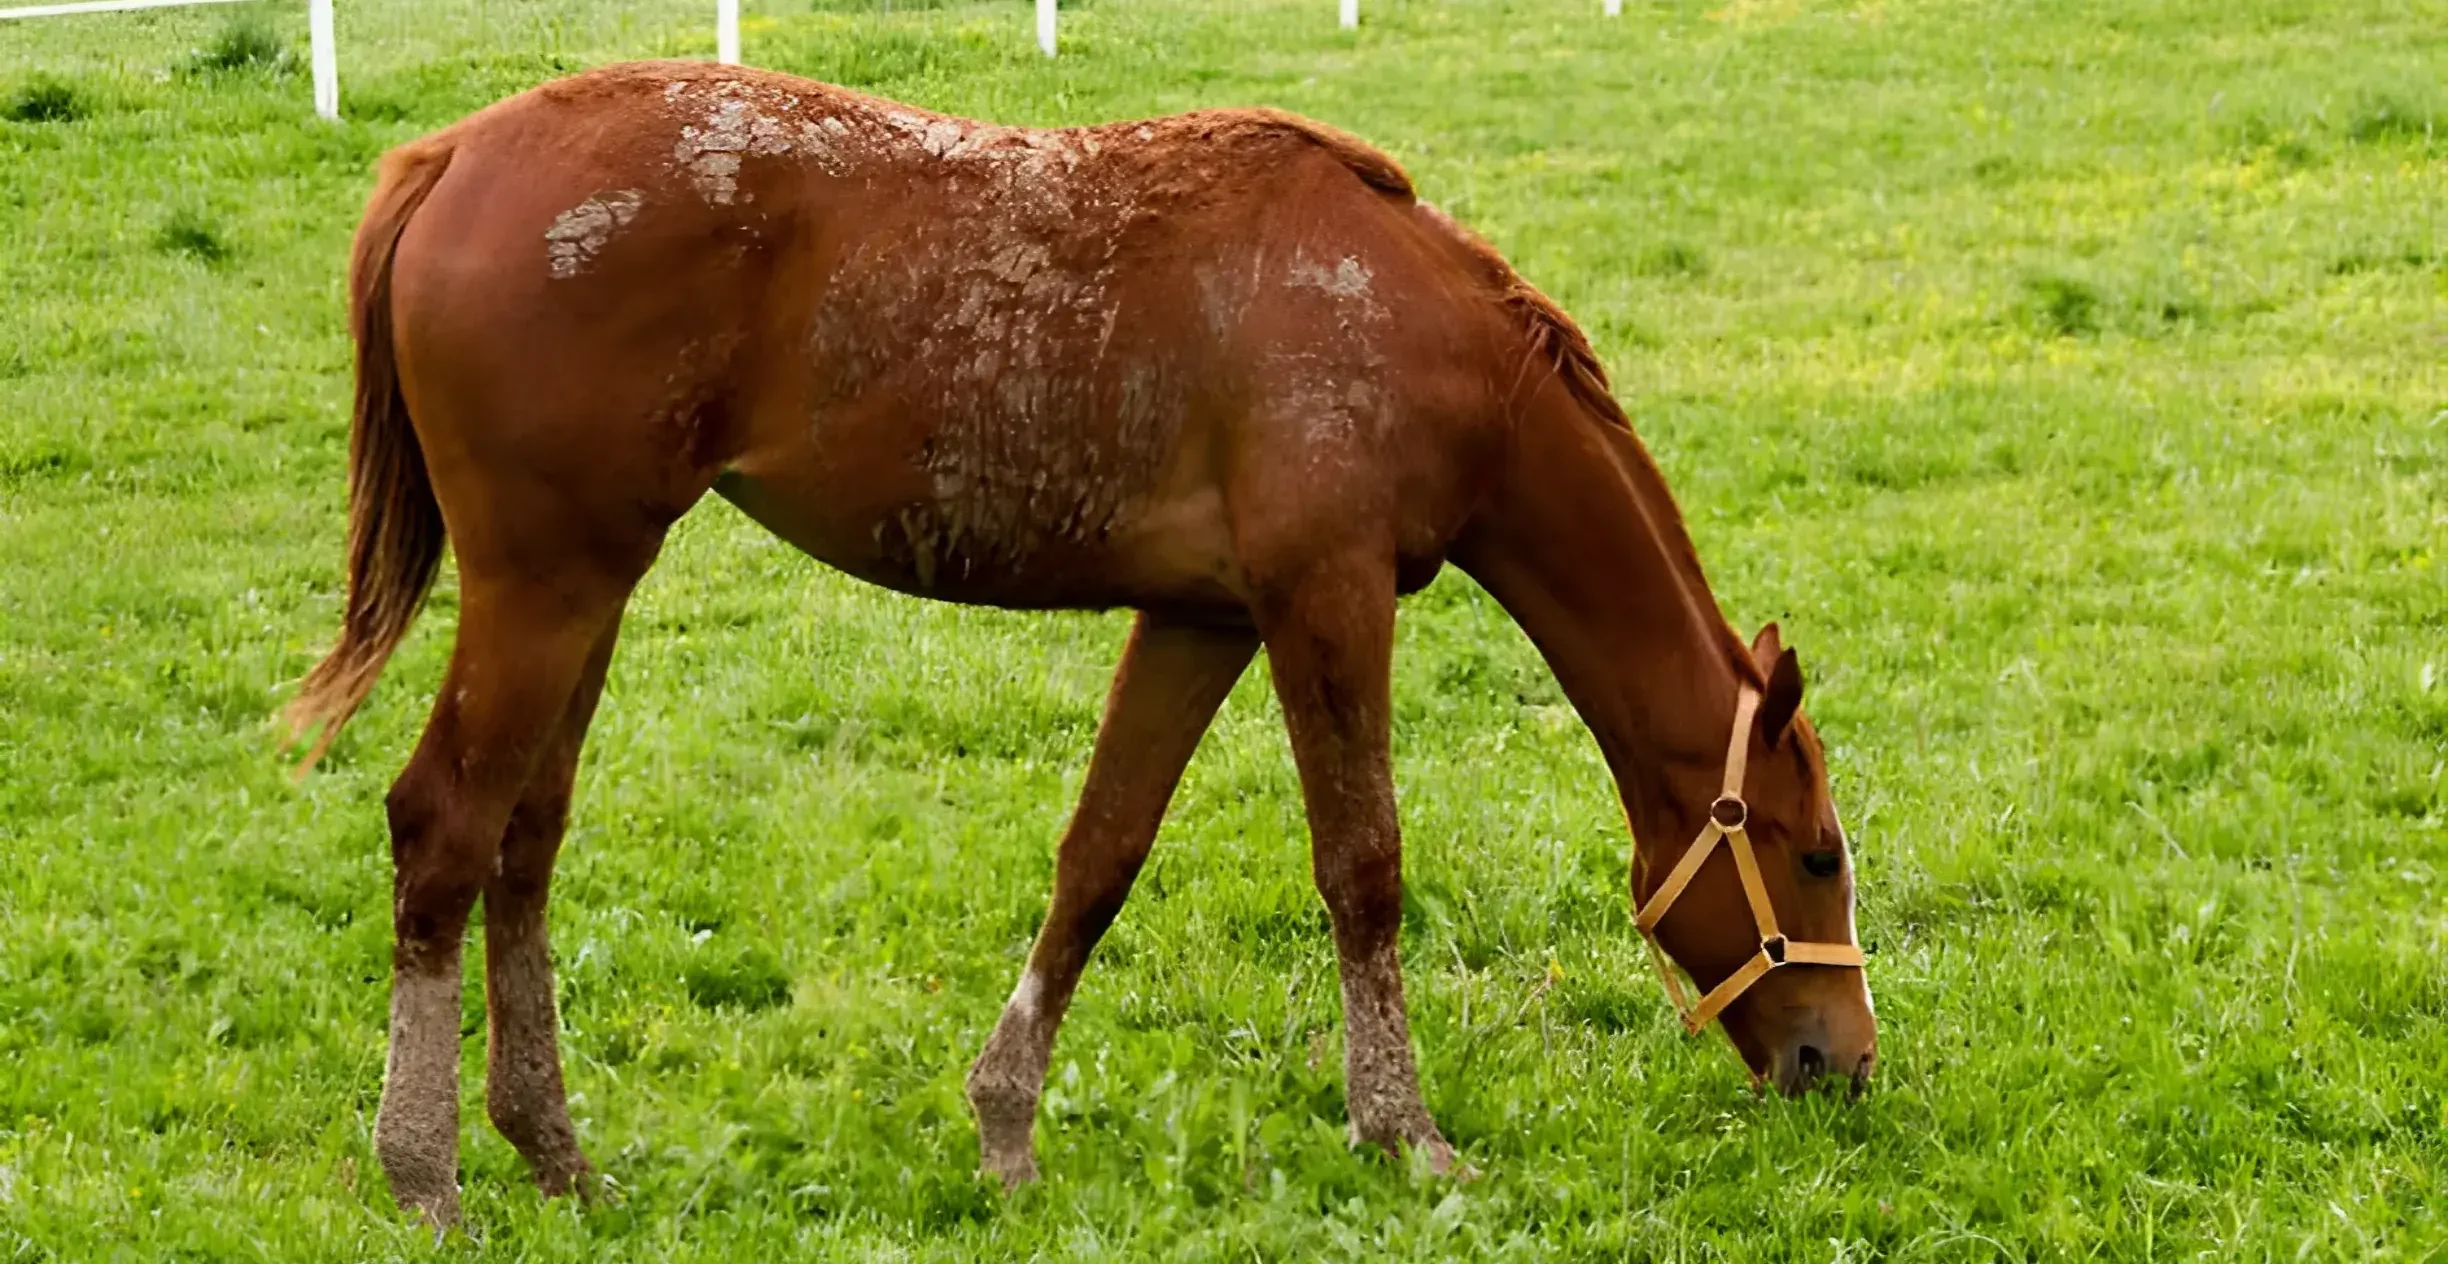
(1023, 547)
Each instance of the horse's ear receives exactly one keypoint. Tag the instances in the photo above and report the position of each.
(1766, 646)
(1782, 700)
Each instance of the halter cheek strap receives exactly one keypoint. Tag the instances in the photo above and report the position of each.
(1727, 818)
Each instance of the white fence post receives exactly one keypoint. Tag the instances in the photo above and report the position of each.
(1614, 8)
(1045, 26)
(726, 32)
(1351, 15)
(324, 54)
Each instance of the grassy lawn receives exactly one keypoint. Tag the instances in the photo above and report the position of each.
(2067, 376)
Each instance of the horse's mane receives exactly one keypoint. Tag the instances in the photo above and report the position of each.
(1551, 336)
(1548, 334)
(1371, 164)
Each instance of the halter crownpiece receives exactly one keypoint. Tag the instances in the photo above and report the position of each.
(1727, 817)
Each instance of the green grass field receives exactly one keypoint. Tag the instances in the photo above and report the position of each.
(2066, 375)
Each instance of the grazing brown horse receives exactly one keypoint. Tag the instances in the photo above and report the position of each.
(1221, 368)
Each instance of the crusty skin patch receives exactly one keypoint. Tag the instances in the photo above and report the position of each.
(1347, 279)
(735, 121)
(580, 233)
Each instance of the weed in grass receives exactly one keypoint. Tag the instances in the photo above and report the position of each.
(2295, 151)
(246, 43)
(22, 469)
(2288, 145)
(45, 101)
(2355, 262)
(1675, 260)
(186, 233)
(2391, 120)
(2062, 306)
(750, 979)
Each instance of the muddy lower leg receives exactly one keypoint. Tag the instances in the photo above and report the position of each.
(1170, 682)
(523, 1091)
(1329, 638)
(517, 663)
(416, 1130)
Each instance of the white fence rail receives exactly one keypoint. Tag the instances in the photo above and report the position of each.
(324, 56)
(100, 6)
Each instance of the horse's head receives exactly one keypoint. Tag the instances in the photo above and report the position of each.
(1758, 908)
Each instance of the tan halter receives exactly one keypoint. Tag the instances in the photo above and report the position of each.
(1727, 816)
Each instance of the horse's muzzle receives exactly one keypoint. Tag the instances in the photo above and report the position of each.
(1805, 1064)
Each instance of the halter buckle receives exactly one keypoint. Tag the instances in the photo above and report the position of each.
(1730, 812)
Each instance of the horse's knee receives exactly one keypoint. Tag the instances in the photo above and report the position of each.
(438, 864)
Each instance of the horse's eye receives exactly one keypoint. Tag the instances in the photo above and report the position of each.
(1823, 864)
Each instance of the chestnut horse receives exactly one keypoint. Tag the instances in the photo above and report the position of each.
(1222, 368)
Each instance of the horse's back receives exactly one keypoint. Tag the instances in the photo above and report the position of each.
(979, 362)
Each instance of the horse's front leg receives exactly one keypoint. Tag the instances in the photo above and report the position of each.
(1329, 630)
(1172, 678)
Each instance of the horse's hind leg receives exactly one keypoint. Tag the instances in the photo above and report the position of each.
(1166, 690)
(527, 636)
(523, 1092)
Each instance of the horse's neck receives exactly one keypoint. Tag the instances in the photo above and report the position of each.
(1585, 549)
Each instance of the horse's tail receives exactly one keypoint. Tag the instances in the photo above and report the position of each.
(395, 533)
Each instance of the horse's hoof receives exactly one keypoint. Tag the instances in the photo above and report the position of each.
(1438, 1157)
(578, 1180)
(426, 1191)
(438, 1212)
(1013, 1170)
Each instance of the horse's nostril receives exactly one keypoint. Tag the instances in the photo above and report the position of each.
(1810, 1062)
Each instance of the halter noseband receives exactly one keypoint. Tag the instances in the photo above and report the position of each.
(1727, 817)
